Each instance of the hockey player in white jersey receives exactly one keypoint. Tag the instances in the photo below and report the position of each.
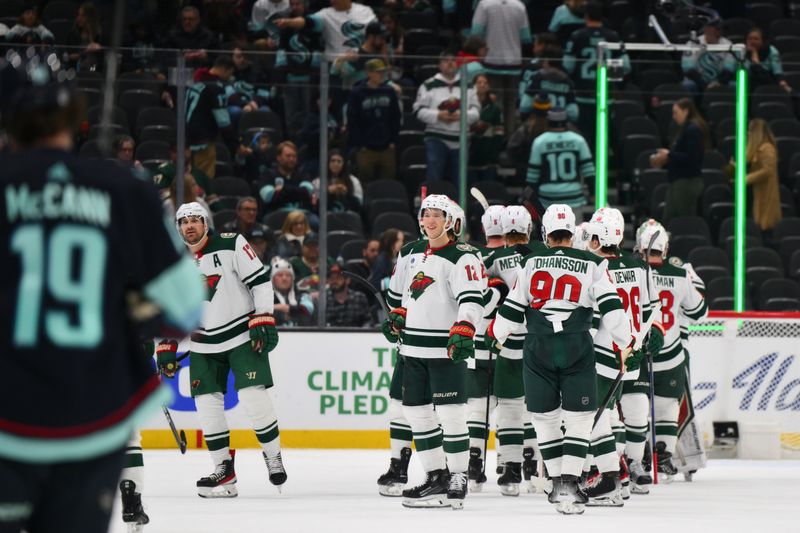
(554, 294)
(677, 295)
(237, 334)
(478, 385)
(629, 274)
(443, 301)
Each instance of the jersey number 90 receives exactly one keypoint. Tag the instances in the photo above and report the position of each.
(544, 288)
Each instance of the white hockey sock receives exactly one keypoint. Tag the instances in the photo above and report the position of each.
(603, 447)
(476, 422)
(134, 461)
(510, 430)
(211, 412)
(400, 434)
(257, 402)
(427, 436)
(453, 418)
(618, 429)
(666, 421)
(635, 409)
(551, 440)
(530, 440)
(577, 431)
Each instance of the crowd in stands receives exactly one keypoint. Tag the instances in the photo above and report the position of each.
(253, 121)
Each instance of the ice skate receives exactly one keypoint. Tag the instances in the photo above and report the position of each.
(457, 490)
(432, 493)
(277, 474)
(475, 470)
(640, 479)
(132, 511)
(510, 479)
(394, 480)
(666, 469)
(221, 483)
(604, 491)
(570, 499)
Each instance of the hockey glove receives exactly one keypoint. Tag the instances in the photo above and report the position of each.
(461, 344)
(492, 344)
(634, 360)
(263, 334)
(655, 340)
(167, 358)
(394, 324)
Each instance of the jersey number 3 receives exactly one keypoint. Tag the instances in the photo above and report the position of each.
(544, 287)
(69, 265)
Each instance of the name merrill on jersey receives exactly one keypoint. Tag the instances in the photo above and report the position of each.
(58, 201)
(508, 263)
(564, 263)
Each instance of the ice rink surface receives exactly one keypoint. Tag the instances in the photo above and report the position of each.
(334, 491)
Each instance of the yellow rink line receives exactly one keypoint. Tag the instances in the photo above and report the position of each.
(290, 438)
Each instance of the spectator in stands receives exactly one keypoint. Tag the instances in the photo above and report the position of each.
(762, 176)
(368, 256)
(703, 69)
(763, 62)
(29, 28)
(191, 193)
(519, 145)
(540, 44)
(284, 186)
(390, 244)
(294, 232)
(488, 135)
(684, 160)
(331, 23)
(472, 54)
(345, 308)
(207, 115)
(165, 173)
(551, 79)
(262, 16)
(394, 44)
(560, 164)
(246, 223)
(140, 44)
(124, 148)
(295, 64)
(373, 123)
(306, 265)
(567, 18)
(292, 308)
(86, 34)
(193, 37)
(255, 159)
(504, 23)
(438, 105)
(248, 90)
(259, 239)
(344, 189)
(351, 66)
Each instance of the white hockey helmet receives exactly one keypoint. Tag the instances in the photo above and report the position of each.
(655, 233)
(608, 225)
(491, 221)
(580, 241)
(517, 219)
(192, 209)
(557, 217)
(442, 203)
(459, 220)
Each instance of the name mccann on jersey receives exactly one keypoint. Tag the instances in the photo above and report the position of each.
(625, 276)
(664, 281)
(564, 263)
(58, 201)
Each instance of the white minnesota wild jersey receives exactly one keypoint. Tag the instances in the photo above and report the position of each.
(556, 290)
(238, 286)
(680, 302)
(491, 302)
(629, 275)
(697, 283)
(445, 285)
(399, 281)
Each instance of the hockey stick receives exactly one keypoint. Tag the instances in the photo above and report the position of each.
(650, 373)
(478, 195)
(489, 377)
(372, 290)
(180, 436)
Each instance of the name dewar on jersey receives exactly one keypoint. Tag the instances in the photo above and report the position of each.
(624, 276)
(355, 392)
(58, 201)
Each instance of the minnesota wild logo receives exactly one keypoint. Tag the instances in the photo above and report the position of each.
(419, 284)
(211, 281)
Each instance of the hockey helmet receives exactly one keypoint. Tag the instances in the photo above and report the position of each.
(192, 209)
(516, 218)
(655, 234)
(580, 241)
(608, 225)
(459, 220)
(557, 217)
(491, 221)
(442, 203)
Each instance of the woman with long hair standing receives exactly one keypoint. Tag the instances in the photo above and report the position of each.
(684, 160)
(762, 175)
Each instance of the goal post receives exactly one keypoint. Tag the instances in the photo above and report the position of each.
(601, 157)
